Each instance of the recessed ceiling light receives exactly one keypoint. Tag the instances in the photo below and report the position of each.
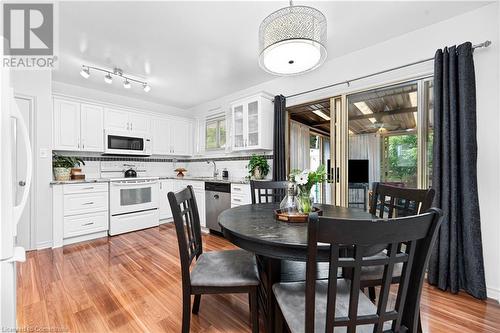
(413, 99)
(363, 107)
(321, 114)
(126, 84)
(108, 79)
(373, 120)
(85, 72)
(146, 87)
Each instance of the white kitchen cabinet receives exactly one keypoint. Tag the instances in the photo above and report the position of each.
(240, 195)
(252, 123)
(116, 120)
(126, 120)
(66, 125)
(199, 193)
(181, 137)
(77, 126)
(80, 212)
(92, 128)
(171, 136)
(161, 136)
(166, 185)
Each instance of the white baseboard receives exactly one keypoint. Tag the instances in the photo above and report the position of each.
(494, 294)
(43, 245)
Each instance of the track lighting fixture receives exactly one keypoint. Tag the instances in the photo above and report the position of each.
(108, 78)
(85, 72)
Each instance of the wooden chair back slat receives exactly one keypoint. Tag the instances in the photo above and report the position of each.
(187, 227)
(268, 191)
(417, 233)
(394, 201)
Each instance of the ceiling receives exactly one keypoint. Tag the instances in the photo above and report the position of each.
(192, 52)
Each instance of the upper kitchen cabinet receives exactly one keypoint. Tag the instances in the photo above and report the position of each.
(77, 126)
(171, 136)
(126, 121)
(252, 120)
(92, 128)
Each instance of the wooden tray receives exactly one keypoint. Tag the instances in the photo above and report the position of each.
(295, 217)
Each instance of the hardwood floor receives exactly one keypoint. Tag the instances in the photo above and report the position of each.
(131, 283)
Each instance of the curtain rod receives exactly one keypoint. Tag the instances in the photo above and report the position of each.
(348, 82)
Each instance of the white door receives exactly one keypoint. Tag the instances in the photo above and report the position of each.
(19, 162)
(252, 124)
(161, 136)
(180, 137)
(116, 119)
(66, 125)
(139, 122)
(92, 129)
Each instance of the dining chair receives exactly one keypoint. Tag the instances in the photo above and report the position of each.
(322, 305)
(390, 201)
(264, 191)
(220, 272)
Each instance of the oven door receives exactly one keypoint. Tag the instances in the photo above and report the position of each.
(126, 144)
(133, 196)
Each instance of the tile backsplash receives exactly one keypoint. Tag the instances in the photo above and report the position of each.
(236, 166)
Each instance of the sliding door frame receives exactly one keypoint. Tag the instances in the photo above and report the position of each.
(340, 127)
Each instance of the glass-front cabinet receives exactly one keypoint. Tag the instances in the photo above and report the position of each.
(252, 123)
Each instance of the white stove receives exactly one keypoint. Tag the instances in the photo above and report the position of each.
(134, 201)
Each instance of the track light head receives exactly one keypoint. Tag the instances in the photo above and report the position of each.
(126, 84)
(85, 72)
(108, 79)
(146, 87)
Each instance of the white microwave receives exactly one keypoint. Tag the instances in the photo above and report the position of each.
(127, 143)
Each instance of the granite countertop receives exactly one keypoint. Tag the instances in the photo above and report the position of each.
(106, 180)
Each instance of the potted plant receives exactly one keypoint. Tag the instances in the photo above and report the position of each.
(258, 167)
(305, 180)
(62, 166)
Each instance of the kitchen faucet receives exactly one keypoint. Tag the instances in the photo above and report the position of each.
(216, 173)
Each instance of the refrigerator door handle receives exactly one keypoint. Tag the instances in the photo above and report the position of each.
(18, 256)
(18, 209)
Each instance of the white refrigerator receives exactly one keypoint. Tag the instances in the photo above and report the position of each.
(10, 210)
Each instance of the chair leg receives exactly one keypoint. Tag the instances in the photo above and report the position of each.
(372, 294)
(278, 320)
(419, 327)
(196, 304)
(254, 310)
(186, 312)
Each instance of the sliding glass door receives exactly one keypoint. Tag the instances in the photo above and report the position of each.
(383, 135)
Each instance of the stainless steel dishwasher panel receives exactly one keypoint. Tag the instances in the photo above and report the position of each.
(217, 199)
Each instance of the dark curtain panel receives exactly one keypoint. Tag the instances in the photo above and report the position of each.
(279, 165)
(457, 258)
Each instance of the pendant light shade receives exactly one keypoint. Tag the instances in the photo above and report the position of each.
(292, 40)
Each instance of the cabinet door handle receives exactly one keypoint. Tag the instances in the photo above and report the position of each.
(88, 203)
(86, 224)
(238, 200)
(88, 188)
(131, 126)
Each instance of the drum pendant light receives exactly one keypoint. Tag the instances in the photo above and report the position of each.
(292, 40)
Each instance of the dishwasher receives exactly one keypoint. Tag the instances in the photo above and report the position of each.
(217, 199)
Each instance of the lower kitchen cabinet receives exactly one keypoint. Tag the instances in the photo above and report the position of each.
(199, 193)
(240, 195)
(80, 212)
(166, 185)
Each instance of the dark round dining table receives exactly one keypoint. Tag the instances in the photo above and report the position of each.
(255, 229)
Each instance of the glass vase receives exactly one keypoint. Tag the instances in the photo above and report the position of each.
(304, 202)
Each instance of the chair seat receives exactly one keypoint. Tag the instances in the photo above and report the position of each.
(291, 300)
(369, 273)
(235, 268)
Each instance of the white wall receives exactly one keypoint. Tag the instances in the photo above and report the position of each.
(475, 26)
(36, 84)
(101, 96)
